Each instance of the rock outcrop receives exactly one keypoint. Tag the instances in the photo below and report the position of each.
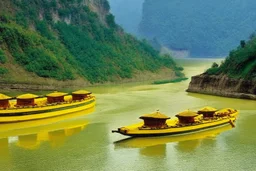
(221, 85)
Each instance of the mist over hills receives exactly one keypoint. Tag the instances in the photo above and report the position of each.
(128, 14)
(205, 28)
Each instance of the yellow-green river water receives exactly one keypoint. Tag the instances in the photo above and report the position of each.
(84, 142)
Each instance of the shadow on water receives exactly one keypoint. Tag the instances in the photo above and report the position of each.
(141, 142)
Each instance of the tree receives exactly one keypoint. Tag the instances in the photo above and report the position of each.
(242, 43)
(215, 65)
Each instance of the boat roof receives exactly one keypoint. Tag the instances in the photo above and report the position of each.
(155, 115)
(56, 94)
(207, 109)
(81, 92)
(27, 96)
(187, 113)
(4, 97)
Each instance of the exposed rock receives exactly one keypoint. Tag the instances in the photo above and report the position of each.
(221, 85)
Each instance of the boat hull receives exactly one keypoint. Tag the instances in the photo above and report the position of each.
(134, 130)
(33, 113)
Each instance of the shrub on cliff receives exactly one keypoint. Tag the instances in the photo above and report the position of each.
(2, 56)
(241, 63)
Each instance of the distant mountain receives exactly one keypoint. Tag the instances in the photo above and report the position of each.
(204, 27)
(128, 14)
(70, 40)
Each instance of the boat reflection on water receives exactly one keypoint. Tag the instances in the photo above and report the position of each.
(31, 134)
(156, 150)
(189, 145)
(55, 138)
(142, 142)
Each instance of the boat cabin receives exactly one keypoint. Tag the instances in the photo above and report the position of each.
(4, 101)
(26, 100)
(186, 117)
(207, 111)
(80, 95)
(55, 97)
(155, 120)
(224, 112)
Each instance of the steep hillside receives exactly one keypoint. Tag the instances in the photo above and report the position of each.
(205, 28)
(70, 40)
(234, 77)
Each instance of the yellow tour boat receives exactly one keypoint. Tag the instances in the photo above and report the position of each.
(31, 107)
(141, 142)
(158, 124)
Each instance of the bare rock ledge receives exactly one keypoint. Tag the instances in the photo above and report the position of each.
(221, 85)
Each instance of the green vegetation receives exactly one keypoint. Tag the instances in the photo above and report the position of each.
(241, 63)
(3, 71)
(170, 81)
(106, 59)
(2, 56)
(37, 54)
(65, 40)
(195, 26)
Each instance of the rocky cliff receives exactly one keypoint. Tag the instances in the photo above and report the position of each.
(233, 77)
(222, 85)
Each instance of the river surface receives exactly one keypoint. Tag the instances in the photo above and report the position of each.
(84, 141)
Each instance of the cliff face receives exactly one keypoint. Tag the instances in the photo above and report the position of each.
(222, 85)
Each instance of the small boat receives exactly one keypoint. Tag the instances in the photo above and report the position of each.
(31, 107)
(158, 124)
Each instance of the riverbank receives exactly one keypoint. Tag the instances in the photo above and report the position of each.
(222, 85)
(46, 84)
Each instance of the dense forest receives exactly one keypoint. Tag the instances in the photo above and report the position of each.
(67, 39)
(240, 64)
(205, 28)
